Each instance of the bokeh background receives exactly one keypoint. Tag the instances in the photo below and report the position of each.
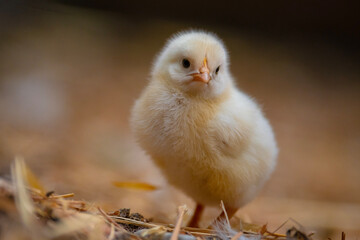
(71, 70)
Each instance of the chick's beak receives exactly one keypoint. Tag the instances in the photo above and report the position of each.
(204, 73)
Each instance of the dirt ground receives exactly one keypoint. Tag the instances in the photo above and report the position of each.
(68, 79)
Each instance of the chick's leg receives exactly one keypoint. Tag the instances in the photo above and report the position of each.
(195, 219)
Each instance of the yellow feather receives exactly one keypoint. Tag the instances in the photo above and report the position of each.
(135, 185)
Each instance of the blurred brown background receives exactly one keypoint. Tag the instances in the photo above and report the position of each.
(71, 70)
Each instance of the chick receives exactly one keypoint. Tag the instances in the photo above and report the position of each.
(209, 139)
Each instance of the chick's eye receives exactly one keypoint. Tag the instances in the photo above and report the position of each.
(185, 63)
(217, 69)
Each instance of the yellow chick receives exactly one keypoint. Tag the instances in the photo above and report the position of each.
(208, 138)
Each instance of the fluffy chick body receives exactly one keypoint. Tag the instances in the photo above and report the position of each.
(214, 143)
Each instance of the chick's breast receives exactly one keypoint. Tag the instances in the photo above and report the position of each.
(212, 150)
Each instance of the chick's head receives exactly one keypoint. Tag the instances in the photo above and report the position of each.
(195, 63)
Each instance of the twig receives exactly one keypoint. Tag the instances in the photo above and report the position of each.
(68, 195)
(311, 234)
(182, 210)
(134, 222)
(275, 234)
(112, 233)
(281, 226)
(111, 220)
(224, 210)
